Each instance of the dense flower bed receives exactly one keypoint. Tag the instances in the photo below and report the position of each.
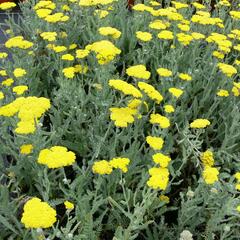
(121, 123)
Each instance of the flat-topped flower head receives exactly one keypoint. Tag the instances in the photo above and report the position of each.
(151, 92)
(122, 116)
(109, 31)
(144, 36)
(161, 159)
(159, 178)
(207, 158)
(38, 214)
(164, 72)
(200, 123)
(155, 143)
(162, 121)
(120, 163)
(165, 35)
(56, 157)
(138, 71)
(102, 167)
(126, 88)
(210, 175)
(227, 69)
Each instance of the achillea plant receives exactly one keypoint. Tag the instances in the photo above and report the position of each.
(119, 124)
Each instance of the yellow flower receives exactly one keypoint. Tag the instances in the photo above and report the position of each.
(19, 90)
(138, 71)
(25, 127)
(1, 95)
(223, 93)
(3, 73)
(125, 87)
(7, 5)
(158, 25)
(69, 72)
(235, 14)
(200, 123)
(151, 92)
(228, 70)
(166, 35)
(164, 72)
(72, 46)
(185, 77)
(26, 149)
(169, 108)
(237, 176)
(159, 178)
(67, 57)
(164, 198)
(122, 116)
(176, 92)
(19, 72)
(80, 69)
(101, 13)
(210, 175)
(81, 53)
(58, 49)
(43, 12)
(3, 55)
(144, 36)
(102, 167)
(38, 214)
(238, 208)
(69, 205)
(236, 89)
(120, 163)
(161, 159)
(56, 157)
(155, 142)
(159, 119)
(49, 36)
(8, 82)
(109, 31)
(207, 158)
(105, 50)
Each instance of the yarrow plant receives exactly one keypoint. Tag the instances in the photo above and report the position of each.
(120, 120)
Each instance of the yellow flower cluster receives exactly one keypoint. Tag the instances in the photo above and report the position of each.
(44, 11)
(38, 214)
(68, 205)
(18, 42)
(155, 142)
(125, 87)
(138, 71)
(210, 173)
(151, 92)
(162, 121)
(144, 36)
(105, 50)
(49, 36)
(29, 110)
(122, 116)
(109, 31)
(7, 5)
(207, 158)
(56, 157)
(26, 149)
(159, 178)
(237, 176)
(164, 72)
(19, 72)
(88, 3)
(200, 123)
(106, 167)
(227, 69)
